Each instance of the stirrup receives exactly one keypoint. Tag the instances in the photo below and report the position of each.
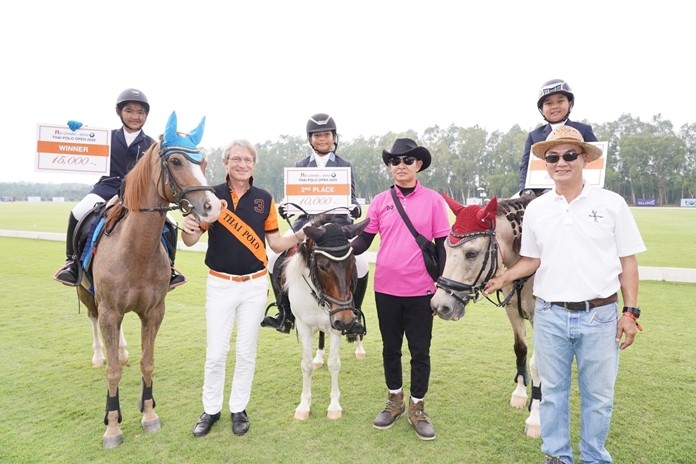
(285, 326)
(177, 279)
(267, 320)
(68, 274)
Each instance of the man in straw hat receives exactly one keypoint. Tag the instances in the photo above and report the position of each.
(581, 241)
(403, 287)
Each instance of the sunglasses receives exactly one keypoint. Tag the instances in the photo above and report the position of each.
(567, 156)
(408, 160)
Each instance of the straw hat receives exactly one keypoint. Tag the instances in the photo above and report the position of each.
(566, 134)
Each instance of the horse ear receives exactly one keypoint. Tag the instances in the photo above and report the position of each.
(170, 129)
(489, 211)
(314, 233)
(452, 203)
(197, 134)
(352, 230)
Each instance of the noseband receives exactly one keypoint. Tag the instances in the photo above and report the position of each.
(451, 287)
(337, 254)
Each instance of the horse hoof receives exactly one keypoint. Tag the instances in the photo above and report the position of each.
(317, 364)
(333, 415)
(360, 355)
(518, 402)
(112, 441)
(301, 415)
(96, 363)
(532, 431)
(151, 425)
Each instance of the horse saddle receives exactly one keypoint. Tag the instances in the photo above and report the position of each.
(86, 237)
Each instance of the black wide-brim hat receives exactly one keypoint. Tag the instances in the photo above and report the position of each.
(407, 147)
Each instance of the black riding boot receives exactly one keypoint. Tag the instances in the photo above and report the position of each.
(360, 290)
(284, 321)
(171, 233)
(358, 297)
(68, 274)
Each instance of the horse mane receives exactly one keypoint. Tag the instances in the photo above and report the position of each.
(135, 186)
(513, 211)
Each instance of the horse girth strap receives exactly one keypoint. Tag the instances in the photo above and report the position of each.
(244, 234)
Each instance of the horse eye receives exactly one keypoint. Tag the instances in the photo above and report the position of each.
(175, 161)
(324, 267)
(471, 254)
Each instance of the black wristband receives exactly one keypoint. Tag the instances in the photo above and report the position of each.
(632, 310)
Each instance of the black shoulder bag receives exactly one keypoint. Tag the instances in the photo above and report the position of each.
(426, 246)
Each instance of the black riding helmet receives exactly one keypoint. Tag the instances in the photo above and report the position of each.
(552, 87)
(131, 95)
(321, 122)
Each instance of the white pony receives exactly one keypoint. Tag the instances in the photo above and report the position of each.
(320, 277)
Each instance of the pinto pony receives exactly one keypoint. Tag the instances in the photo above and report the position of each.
(481, 242)
(320, 278)
(130, 270)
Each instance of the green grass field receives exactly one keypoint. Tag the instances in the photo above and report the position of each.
(52, 401)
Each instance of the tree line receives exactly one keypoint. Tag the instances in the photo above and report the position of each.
(646, 160)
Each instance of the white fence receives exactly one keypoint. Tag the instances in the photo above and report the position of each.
(660, 274)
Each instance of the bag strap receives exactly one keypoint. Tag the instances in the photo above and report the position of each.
(403, 215)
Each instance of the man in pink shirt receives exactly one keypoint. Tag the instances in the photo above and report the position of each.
(403, 287)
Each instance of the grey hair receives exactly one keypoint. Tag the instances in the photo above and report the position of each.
(245, 144)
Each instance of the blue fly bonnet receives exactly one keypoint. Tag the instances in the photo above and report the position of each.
(186, 144)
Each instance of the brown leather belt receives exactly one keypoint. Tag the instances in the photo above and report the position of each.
(238, 278)
(586, 305)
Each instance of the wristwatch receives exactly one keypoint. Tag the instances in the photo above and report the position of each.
(632, 310)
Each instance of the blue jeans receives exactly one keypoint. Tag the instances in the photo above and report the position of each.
(589, 337)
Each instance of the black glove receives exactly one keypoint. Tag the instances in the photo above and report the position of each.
(355, 211)
(283, 212)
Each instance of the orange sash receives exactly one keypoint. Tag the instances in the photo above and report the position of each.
(244, 234)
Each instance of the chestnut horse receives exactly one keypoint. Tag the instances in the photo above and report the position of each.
(481, 242)
(130, 270)
(320, 278)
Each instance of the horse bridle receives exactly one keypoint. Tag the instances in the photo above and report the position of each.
(339, 253)
(452, 287)
(167, 179)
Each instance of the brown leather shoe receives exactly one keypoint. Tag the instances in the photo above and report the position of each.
(394, 409)
(420, 420)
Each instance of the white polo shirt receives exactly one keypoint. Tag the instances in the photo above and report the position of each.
(579, 244)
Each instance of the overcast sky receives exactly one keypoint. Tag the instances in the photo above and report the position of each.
(259, 69)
